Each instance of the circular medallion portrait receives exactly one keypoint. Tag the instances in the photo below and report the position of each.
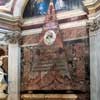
(49, 37)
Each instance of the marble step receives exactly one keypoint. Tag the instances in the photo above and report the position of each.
(49, 97)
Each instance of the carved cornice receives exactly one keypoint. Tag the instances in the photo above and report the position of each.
(93, 6)
(90, 2)
(94, 25)
(10, 23)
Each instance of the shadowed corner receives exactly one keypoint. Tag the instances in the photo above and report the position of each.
(2, 52)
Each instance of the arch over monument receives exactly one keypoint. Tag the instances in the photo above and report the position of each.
(15, 8)
(12, 8)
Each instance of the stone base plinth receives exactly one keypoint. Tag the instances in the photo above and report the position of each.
(49, 97)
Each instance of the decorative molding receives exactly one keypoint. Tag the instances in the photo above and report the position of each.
(94, 15)
(81, 23)
(14, 38)
(14, 7)
(89, 2)
(8, 7)
(60, 15)
(63, 17)
(93, 6)
(94, 25)
(7, 36)
(10, 23)
(11, 37)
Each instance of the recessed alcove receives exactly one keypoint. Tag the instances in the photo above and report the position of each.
(81, 46)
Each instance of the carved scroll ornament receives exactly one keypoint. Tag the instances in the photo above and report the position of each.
(14, 38)
(94, 25)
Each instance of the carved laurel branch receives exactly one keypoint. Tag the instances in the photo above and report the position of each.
(94, 25)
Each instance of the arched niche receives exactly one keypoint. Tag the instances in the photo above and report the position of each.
(40, 7)
(20, 6)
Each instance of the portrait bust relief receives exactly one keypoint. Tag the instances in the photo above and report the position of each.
(49, 37)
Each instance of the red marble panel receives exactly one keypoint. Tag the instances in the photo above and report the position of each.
(75, 33)
(39, 75)
(30, 39)
(70, 33)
